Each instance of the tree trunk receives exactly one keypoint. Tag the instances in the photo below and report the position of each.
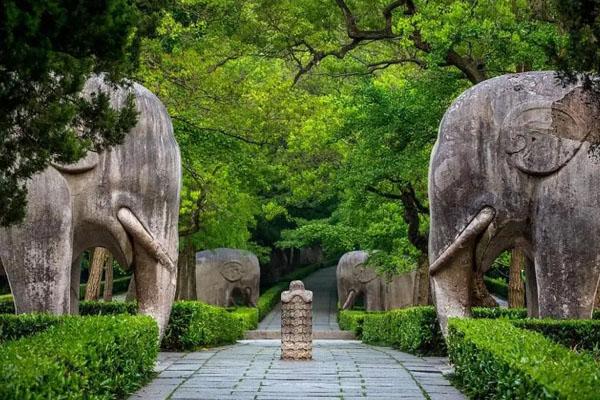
(131, 295)
(597, 302)
(516, 286)
(480, 297)
(108, 279)
(92, 289)
(423, 295)
(186, 273)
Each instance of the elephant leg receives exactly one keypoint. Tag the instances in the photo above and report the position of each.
(566, 261)
(451, 287)
(75, 280)
(374, 296)
(531, 289)
(37, 253)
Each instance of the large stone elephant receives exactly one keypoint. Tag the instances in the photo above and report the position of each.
(226, 275)
(515, 166)
(125, 199)
(354, 279)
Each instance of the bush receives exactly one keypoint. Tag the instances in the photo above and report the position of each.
(107, 308)
(248, 316)
(351, 320)
(194, 325)
(575, 334)
(497, 312)
(14, 327)
(414, 330)
(497, 286)
(496, 360)
(92, 357)
(270, 298)
(7, 305)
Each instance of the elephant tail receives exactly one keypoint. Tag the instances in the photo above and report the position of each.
(475, 228)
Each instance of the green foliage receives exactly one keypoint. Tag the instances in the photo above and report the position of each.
(194, 325)
(498, 312)
(248, 317)
(350, 320)
(497, 286)
(576, 335)
(495, 360)
(70, 360)
(107, 308)
(7, 305)
(14, 327)
(414, 330)
(47, 51)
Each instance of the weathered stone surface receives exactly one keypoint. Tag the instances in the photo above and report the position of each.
(354, 279)
(223, 273)
(125, 199)
(515, 165)
(296, 322)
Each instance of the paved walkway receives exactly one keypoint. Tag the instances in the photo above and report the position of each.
(324, 288)
(341, 369)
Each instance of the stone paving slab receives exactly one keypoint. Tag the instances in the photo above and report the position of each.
(341, 369)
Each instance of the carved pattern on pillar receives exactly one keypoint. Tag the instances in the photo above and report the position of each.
(296, 323)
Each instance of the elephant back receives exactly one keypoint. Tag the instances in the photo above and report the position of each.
(229, 264)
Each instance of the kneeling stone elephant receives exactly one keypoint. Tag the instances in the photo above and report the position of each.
(514, 165)
(223, 273)
(125, 199)
(355, 279)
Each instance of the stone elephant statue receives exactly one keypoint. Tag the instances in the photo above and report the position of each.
(355, 279)
(125, 199)
(222, 275)
(514, 166)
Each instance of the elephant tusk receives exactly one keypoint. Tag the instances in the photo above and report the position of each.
(134, 227)
(474, 229)
(349, 299)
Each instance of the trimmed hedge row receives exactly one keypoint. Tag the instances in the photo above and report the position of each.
(497, 286)
(351, 320)
(194, 325)
(574, 334)
(496, 360)
(248, 317)
(13, 327)
(70, 360)
(414, 330)
(107, 308)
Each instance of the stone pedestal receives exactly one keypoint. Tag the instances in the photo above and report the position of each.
(296, 323)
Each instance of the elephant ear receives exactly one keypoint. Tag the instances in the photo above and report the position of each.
(232, 271)
(541, 137)
(87, 163)
(363, 274)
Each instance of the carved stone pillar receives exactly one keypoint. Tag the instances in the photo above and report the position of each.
(296, 323)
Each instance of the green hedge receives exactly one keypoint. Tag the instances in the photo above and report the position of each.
(576, 335)
(194, 325)
(7, 305)
(248, 316)
(352, 320)
(14, 327)
(93, 357)
(495, 360)
(107, 308)
(497, 286)
(414, 330)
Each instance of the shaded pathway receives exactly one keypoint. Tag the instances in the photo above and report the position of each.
(324, 288)
(341, 369)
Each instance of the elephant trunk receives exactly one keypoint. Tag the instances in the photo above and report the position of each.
(155, 271)
(452, 271)
(349, 300)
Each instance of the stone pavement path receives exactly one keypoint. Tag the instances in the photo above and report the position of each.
(324, 287)
(340, 369)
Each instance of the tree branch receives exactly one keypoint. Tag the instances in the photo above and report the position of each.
(218, 130)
